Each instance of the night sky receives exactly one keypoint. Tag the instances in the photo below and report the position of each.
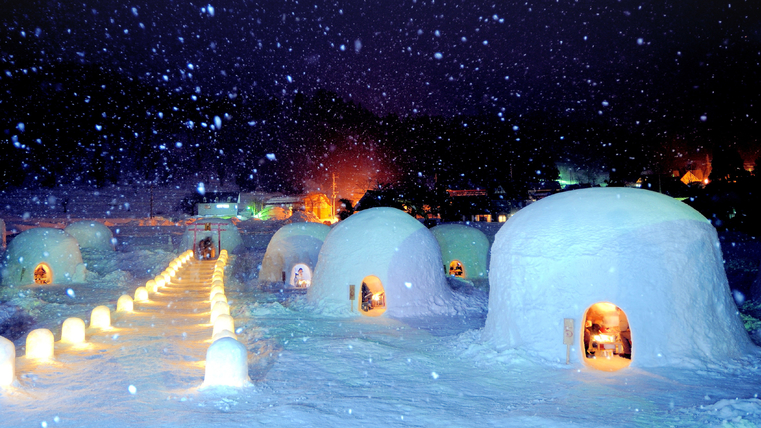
(628, 61)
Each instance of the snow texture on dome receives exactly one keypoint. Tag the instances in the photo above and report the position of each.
(391, 245)
(654, 257)
(220, 229)
(292, 244)
(55, 247)
(465, 244)
(92, 235)
(303, 216)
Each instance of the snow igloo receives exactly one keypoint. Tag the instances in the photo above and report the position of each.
(43, 256)
(464, 250)
(92, 235)
(292, 254)
(624, 276)
(207, 237)
(390, 260)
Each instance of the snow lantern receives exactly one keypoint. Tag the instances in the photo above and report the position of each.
(7, 362)
(292, 254)
(100, 317)
(390, 260)
(637, 267)
(73, 331)
(43, 256)
(125, 304)
(141, 294)
(464, 250)
(92, 235)
(226, 364)
(223, 322)
(40, 344)
(208, 236)
(218, 309)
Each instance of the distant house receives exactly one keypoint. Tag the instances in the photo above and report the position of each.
(222, 204)
(314, 203)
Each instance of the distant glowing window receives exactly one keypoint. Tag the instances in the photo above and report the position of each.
(502, 218)
(43, 274)
(223, 205)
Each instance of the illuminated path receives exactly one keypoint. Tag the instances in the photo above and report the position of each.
(155, 352)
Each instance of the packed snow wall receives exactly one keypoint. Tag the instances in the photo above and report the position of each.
(52, 250)
(223, 232)
(394, 247)
(292, 244)
(92, 235)
(466, 245)
(654, 257)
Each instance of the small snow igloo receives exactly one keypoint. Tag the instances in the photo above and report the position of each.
(208, 236)
(92, 235)
(43, 256)
(464, 250)
(391, 261)
(292, 254)
(629, 276)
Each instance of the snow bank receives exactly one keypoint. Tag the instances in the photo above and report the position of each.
(223, 232)
(292, 245)
(92, 235)
(392, 246)
(465, 244)
(652, 256)
(58, 250)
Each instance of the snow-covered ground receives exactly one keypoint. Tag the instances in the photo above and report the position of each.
(314, 370)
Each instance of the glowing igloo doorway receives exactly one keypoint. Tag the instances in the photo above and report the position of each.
(301, 276)
(372, 301)
(607, 338)
(43, 274)
(456, 269)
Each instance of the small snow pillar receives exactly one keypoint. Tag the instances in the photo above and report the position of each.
(219, 297)
(100, 317)
(151, 286)
(226, 364)
(159, 281)
(7, 362)
(218, 309)
(223, 322)
(217, 289)
(125, 304)
(40, 344)
(224, 333)
(141, 294)
(73, 331)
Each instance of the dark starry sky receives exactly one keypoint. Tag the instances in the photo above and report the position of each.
(624, 61)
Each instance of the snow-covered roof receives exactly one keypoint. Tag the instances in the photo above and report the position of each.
(654, 257)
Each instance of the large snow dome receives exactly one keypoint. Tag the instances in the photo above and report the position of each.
(91, 235)
(43, 256)
(464, 250)
(652, 263)
(295, 246)
(223, 232)
(389, 257)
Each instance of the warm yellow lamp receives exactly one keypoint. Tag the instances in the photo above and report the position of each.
(73, 330)
(218, 309)
(141, 294)
(100, 317)
(125, 304)
(7, 362)
(39, 344)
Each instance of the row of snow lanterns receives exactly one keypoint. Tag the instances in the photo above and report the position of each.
(226, 358)
(40, 343)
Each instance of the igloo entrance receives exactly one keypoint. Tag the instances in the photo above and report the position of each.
(301, 276)
(456, 269)
(607, 338)
(373, 297)
(43, 274)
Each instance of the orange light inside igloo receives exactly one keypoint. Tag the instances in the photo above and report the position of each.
(73, 331)
(40, 344)
(43, 274)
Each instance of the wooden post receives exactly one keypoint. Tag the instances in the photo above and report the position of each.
(352, 296)
(568, 338)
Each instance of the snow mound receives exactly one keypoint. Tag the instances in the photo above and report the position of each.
(292, 245)
(303, 216)
(92, 235)
(464, 244)
(54, 248)
(655, 258)
(393, 247)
